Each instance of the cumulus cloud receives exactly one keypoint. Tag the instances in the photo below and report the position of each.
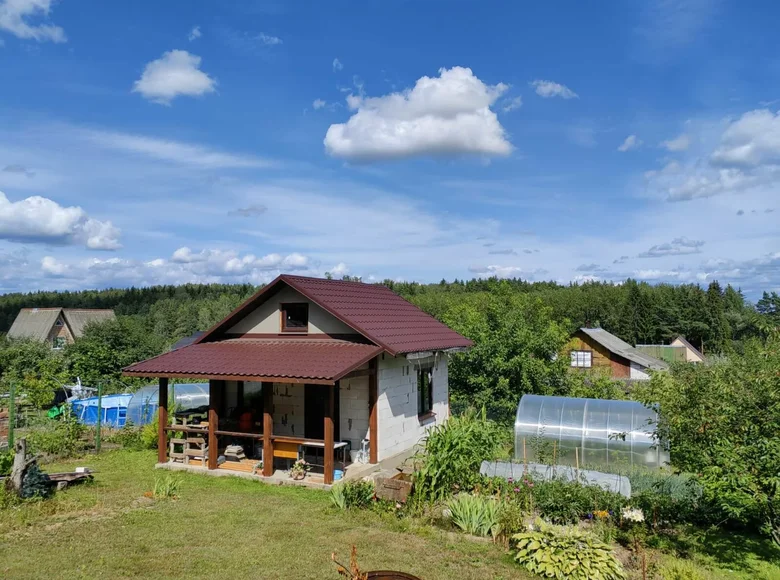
(448, 114)
(750, 141)
(549, 89)
(319, 104)
(52, 267)
(512, 104)
(337, 66)
(339, 270)
(40, 220)
(194, 34)
(677, 247)
(16, 17)
(506, 272)
(175, 73)
(680, 143)
(631, 142)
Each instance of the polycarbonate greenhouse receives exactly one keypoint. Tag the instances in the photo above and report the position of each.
(187, 396)
(604, 432)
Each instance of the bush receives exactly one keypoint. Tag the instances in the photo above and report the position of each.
(6, 462)
(567, 502)
(148, 436)
(680, 570)
(129, 437)
(36, 484)
(352, 494)
(60, 436)
(477, 515)
(453, 452)
(556, 552)
(511, 519)
(669, 498)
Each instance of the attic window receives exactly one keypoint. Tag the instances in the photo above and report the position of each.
(295, 317)
(59, 322)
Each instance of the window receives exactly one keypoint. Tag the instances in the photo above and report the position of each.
(58, 342)
(295, 317)
(424, 391)
(59, 322)
(581, 358)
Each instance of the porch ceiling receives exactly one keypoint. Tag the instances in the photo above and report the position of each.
(282, 360)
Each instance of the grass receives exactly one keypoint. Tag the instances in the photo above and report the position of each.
(225, 527)
(219, 527)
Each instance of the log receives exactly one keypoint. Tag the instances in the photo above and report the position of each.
(20, 466)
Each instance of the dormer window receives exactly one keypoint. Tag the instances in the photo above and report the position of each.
(295, 317)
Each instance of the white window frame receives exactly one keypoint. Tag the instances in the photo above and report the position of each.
(581, 359)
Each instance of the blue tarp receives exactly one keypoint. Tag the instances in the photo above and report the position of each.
(113, 410)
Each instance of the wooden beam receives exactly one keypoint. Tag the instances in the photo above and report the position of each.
(215, 398)
(373, 416)
(162, 421)
(268, 428)
(329, 430)
(240, 394)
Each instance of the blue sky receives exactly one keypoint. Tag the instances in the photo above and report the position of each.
(148, 142)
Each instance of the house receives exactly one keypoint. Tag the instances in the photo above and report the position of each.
(680, 350)
(55, 326)
(597, 349)
(319, 366)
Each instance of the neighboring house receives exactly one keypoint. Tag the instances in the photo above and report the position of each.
(597, 349)
(680, 350)
(322, 363)
(55, 326)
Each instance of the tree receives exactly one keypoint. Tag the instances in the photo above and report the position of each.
(36, 370)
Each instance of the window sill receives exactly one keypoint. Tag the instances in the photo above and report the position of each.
(428, 417)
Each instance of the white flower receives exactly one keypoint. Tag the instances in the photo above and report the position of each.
(633, 514)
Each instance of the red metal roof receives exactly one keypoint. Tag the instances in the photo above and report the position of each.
(372, 310)
(324, 360)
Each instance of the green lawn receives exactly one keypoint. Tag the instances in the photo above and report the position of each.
(226, 527)
(221, 527)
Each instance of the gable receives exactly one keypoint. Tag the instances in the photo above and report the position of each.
(34, 323)
(266, 318)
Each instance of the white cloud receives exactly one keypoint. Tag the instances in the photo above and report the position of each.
(678, 247)
(174, 151)
(679, 143)
(339, 270)
(269, 40)
(40, 220)
(512, 104)
(631, 142)
(194, 33)
(175, 73)
(548, 89)
(337, 66)
(752, 140)
(448, 114)
(52, 267)
(319, 104)
(15, 16)
(506, 272)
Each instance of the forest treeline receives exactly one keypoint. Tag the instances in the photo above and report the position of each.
(714, 318)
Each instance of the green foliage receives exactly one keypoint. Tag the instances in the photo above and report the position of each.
(668, 498)
(567, 502)
(477, 515)
(453, 452)
(566, 553)
(36, 484)
(106, 347)
(166, 487)
(352, 494)
(680, 570)
(593, 386)
(129, 437)
(511, 518)
(721, 421)
(6, 462)
(60, 436)
(149, 433)
(34, 367)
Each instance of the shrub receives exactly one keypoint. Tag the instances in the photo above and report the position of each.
(352, 494)
(556, 552)
(36, 484)
(511, 519)
(669, 498)
(680, 570)
(60, 436)
(129, 437)
(6, 462)
(567, 502)
(166, 487)
(477, 515)
(148, 437)
(452, 453)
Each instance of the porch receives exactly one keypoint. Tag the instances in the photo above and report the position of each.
(261, 419)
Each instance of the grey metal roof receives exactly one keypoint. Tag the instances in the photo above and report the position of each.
(35, 323)
(613, 344)
(78, 318)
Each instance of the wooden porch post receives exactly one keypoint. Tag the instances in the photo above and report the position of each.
(329, 412)
(215, 396)
(373, 421)
(268, 428)
(162, 420)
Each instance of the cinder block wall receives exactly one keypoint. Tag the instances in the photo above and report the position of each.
(399, 427)
(354, 411)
